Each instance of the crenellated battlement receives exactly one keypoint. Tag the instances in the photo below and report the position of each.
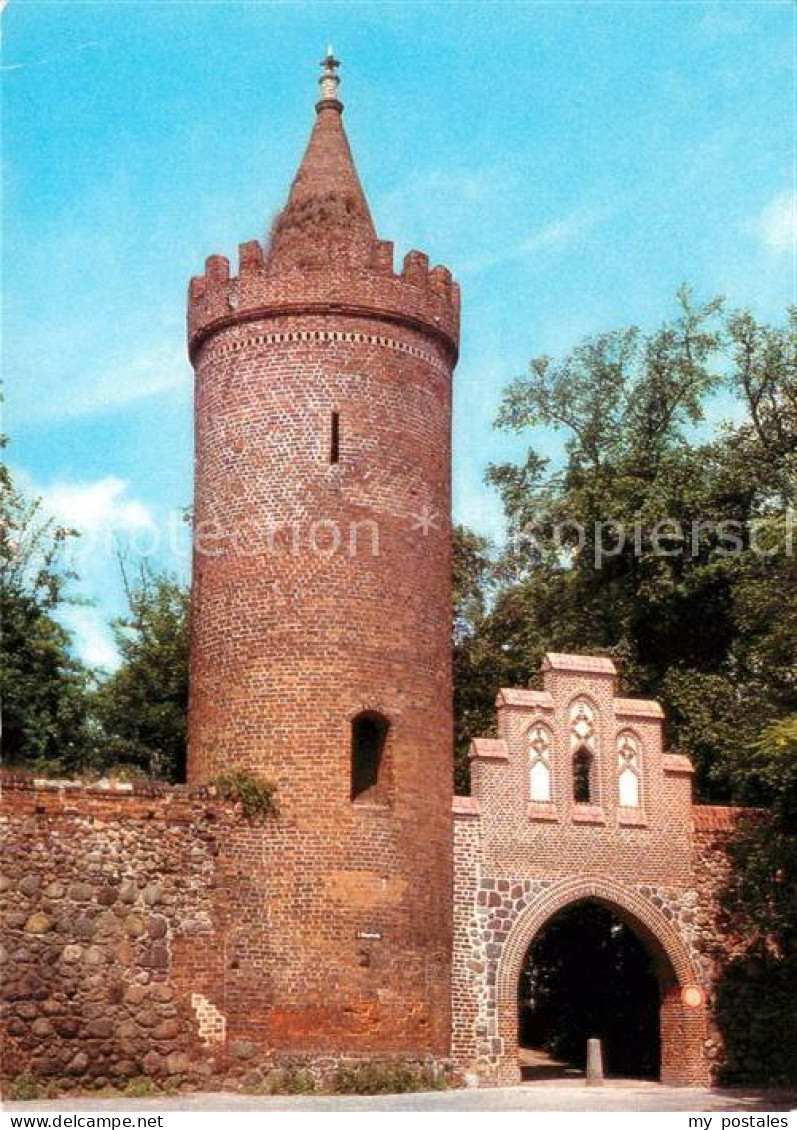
(323, 256)
(416, 296)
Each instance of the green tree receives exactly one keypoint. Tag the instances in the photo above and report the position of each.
(43, 686)
(477, 667)
(757, 993)
(142, 707)
(668, 545)
(656, 540)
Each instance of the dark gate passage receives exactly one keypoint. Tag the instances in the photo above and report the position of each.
(588, 974)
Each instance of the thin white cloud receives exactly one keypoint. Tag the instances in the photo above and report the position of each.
(776, 225)
(48, 60)
(111, 523)
(433, 207)
(93, 636)
(723, 21)
(110, 520)
(118, 384)
(558, 233)
(149, 374)
(97, 506)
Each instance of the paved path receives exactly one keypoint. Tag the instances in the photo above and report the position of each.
(564, 1096)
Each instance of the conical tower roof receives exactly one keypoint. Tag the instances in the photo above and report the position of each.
(326, 219)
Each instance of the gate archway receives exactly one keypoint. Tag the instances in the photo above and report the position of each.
(683, 1012)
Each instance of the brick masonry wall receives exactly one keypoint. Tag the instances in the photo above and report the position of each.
(291, 641)
(138, 940)
(322, 589)
(714, 939)
(517, 863)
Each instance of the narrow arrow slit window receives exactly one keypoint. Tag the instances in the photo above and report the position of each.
(334, 439)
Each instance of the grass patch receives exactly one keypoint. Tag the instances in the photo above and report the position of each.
(257, 798)
(23, 1089)
(387, 1079)
(138, 1088)
(284, 1082)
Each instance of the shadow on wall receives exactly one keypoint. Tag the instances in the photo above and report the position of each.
(588, 975)
(757, 1015)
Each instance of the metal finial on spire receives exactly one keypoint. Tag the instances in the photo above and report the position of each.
(329, 80)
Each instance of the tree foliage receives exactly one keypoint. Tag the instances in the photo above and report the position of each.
(44, 689)
(757, 994)
(142, 707)
(58, 715)
(656, 539)
(477, 668)
(666, 543)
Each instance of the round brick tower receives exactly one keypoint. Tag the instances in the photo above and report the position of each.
(320, 652)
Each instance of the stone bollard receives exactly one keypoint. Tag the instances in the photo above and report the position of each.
(594, 1063)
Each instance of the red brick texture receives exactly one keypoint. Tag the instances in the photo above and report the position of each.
(321, 590)
(138, 940)
(519, 861)
(159, 932)
(138, 936)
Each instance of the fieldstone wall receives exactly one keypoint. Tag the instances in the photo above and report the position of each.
(137, 941)
(714, 938)
(114, 925)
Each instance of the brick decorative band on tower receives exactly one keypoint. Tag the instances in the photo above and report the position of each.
(321, 618)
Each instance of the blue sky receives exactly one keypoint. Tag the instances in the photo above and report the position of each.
(571, 163)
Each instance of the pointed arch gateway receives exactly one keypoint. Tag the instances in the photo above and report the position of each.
(683, 1010)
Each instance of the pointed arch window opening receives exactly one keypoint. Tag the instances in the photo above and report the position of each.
(582, 776)
(540, 764)
(584, 753)
(629, 771)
